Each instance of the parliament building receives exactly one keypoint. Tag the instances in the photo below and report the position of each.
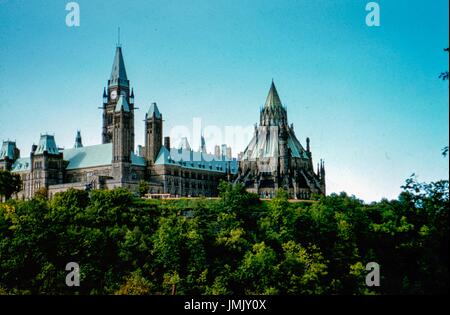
(273, 159)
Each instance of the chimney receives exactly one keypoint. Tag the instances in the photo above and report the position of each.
(229, 156)
(167, 142)
(217, 152)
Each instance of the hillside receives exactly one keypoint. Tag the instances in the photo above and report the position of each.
(236, 244)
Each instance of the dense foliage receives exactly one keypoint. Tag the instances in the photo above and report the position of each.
(236, 244)
(9, 184)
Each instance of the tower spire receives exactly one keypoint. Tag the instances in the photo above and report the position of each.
(273, 100)
(118, 71)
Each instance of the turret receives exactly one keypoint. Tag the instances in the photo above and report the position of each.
(78, 141)
(153, 133)
(122, 139)
(322, 176)
(47, 164)
(9, 153)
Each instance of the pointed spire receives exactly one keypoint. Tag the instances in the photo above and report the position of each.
(202, 144)
(104, 93)
(153, 110)
(132, 96)
(322, 168)
(273, 100)
(78, 142)
(122, 104)
(118, 72)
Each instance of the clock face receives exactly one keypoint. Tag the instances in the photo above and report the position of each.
(114, 94)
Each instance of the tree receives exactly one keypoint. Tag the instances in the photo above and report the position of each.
(41, 193)
(135, 284)
(9, 184)
(258, 270)
(143, 188)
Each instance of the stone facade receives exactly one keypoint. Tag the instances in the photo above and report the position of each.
(174, 171)
(275, 158)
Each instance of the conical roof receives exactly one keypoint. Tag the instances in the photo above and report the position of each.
(118, 72)
(153, 110)
(273, 100)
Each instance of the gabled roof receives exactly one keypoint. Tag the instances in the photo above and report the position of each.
(89, 156)
(93, 156)
(122, 104)
(118, 72)
(273, 100)
(47, 143)
(153, 110)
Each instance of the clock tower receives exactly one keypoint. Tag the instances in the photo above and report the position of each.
(118, 86)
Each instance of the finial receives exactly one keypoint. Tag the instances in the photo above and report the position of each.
(118, 36)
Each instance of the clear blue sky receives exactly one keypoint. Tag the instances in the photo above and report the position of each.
(369, 98)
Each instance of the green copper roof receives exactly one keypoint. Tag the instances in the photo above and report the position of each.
(118, 72)
(89, 156)
(189, 159)
(153, 110)
(7, 150)
(47, 143)
(266, 144)
(21, 165)
(93, 156)
(273, 100)
(137, 160)
(122, 103)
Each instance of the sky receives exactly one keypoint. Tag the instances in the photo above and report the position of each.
(369, 98)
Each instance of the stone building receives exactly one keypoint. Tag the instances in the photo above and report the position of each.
(274, 158)
(175, 171)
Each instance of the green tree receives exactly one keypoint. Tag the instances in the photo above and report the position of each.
(9, 184)
(41, 193)
(143, 188)
(258, 271)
